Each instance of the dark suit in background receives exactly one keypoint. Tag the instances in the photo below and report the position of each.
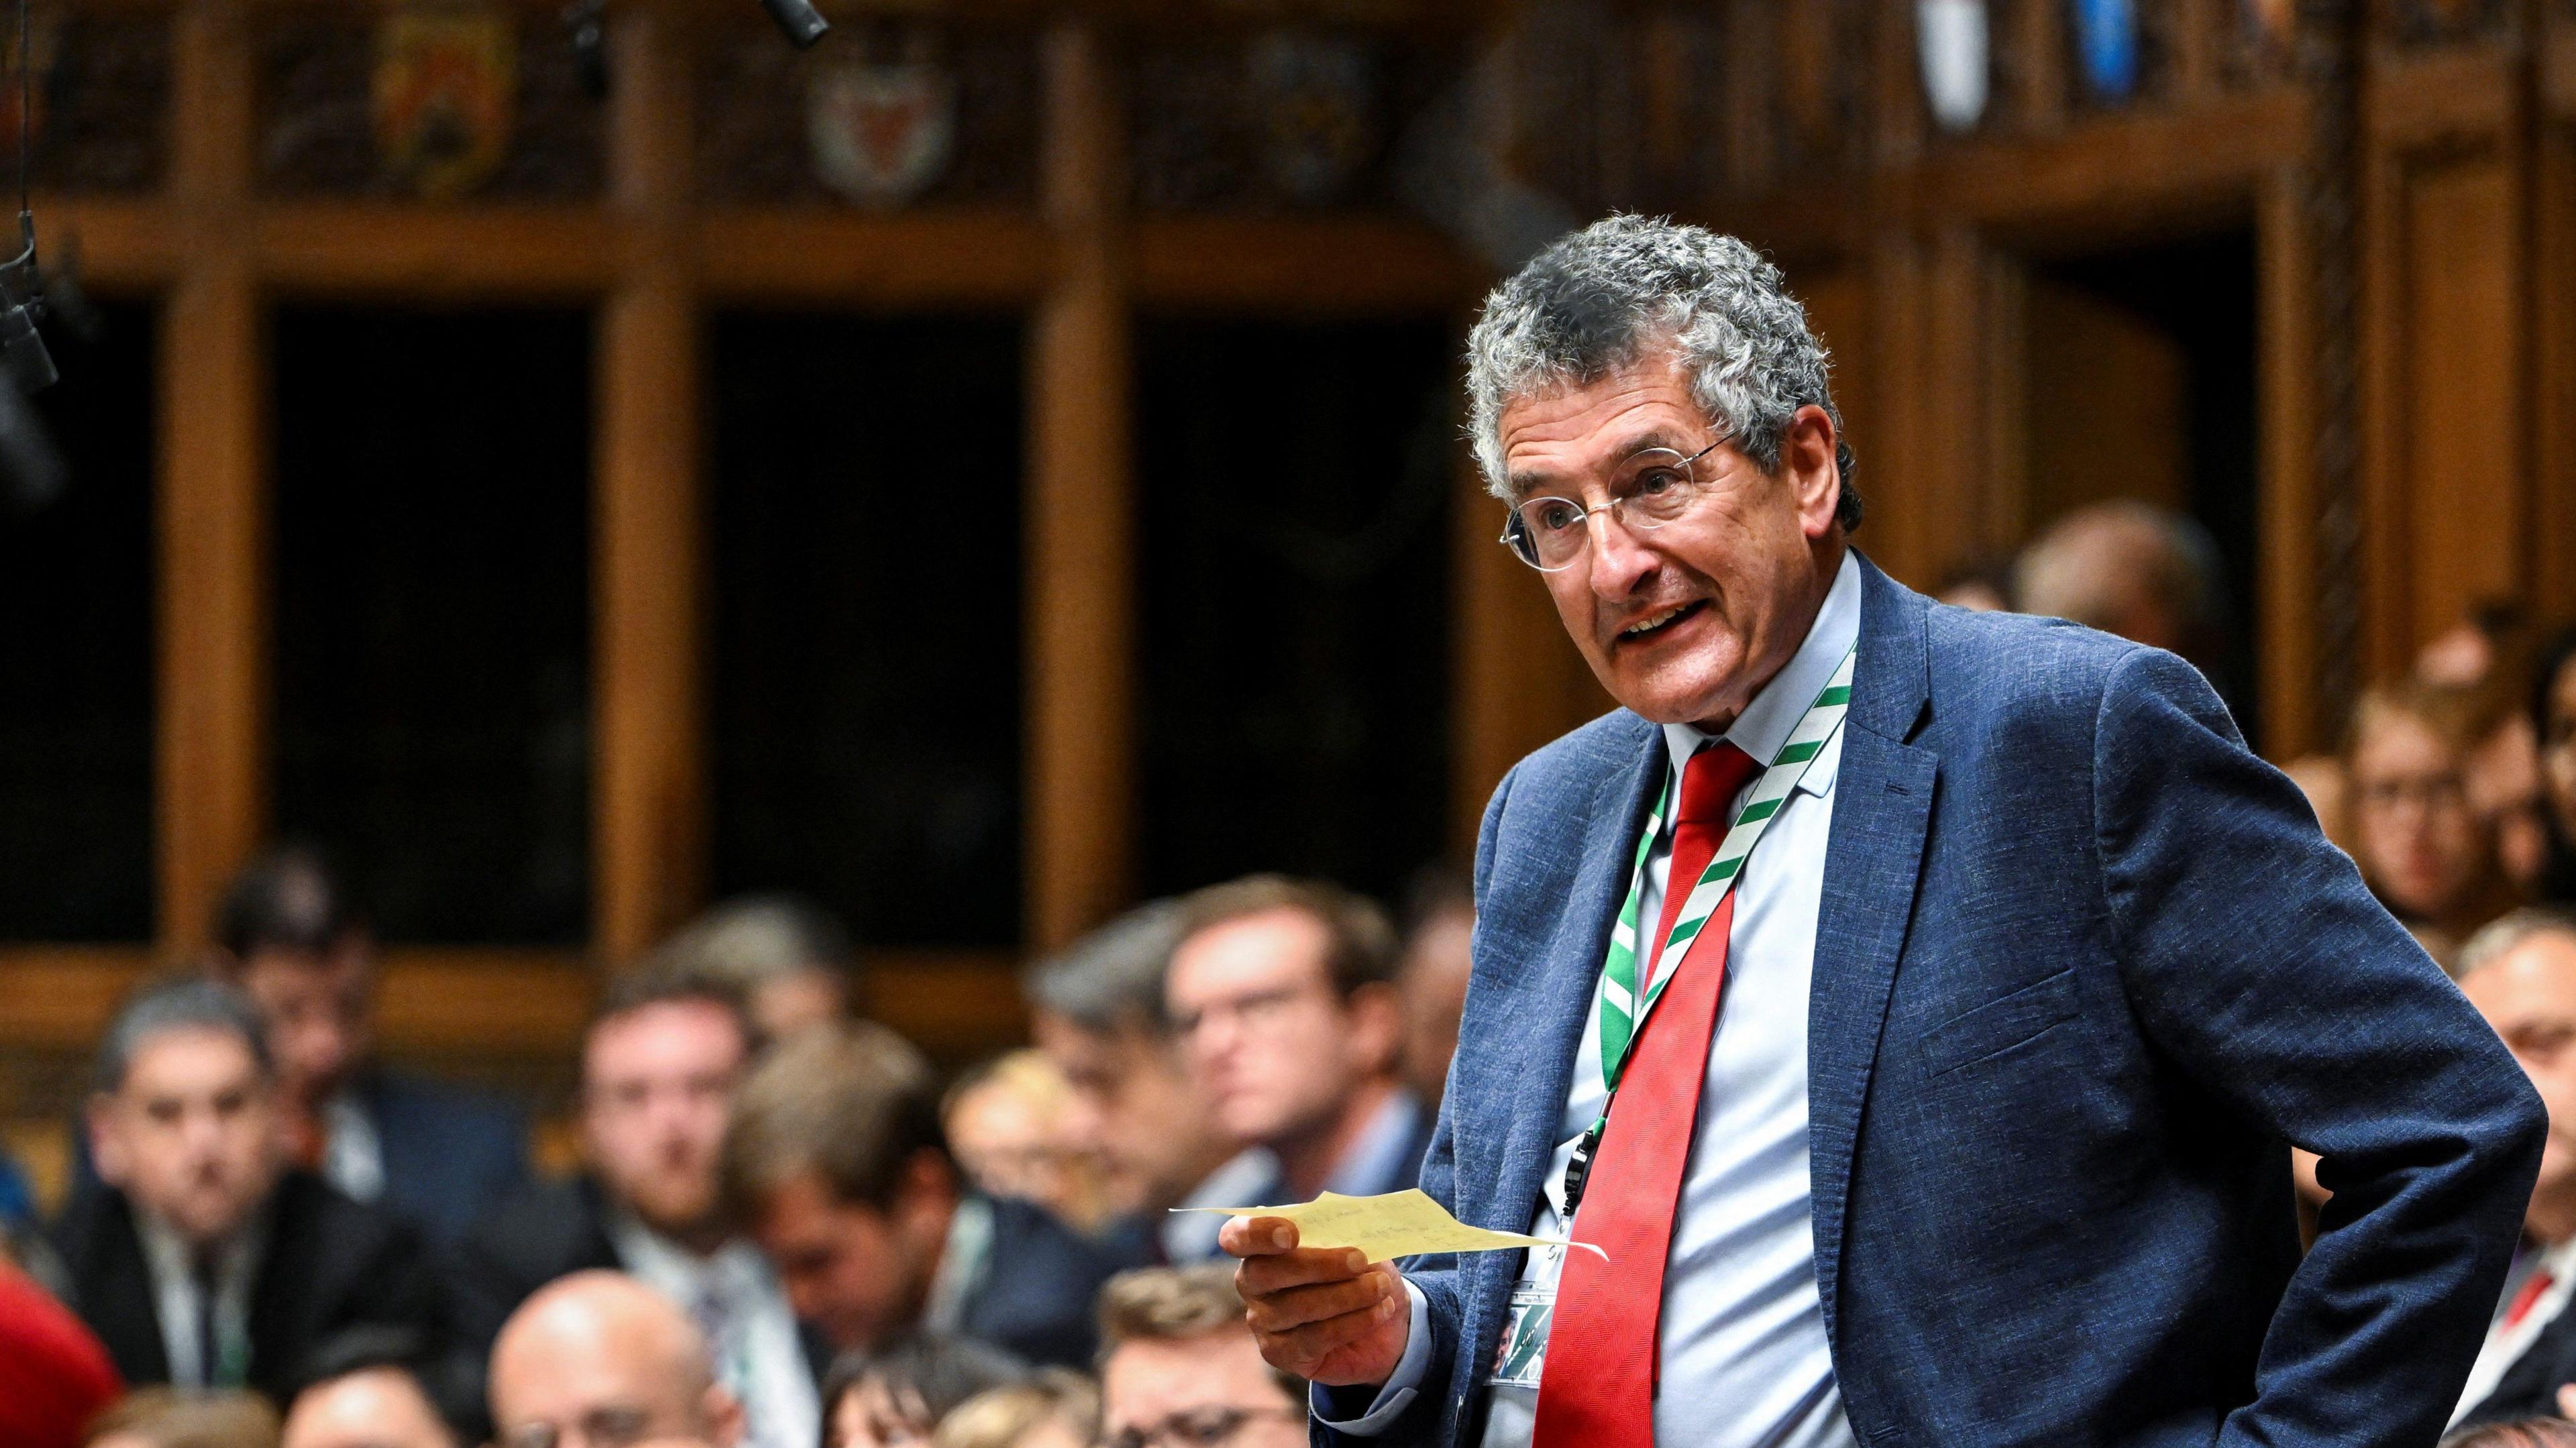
(328, 1264)
(449, 1154)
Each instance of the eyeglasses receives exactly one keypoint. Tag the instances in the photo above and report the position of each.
(1649, 490)
(1196, 1428)
(609, 1427)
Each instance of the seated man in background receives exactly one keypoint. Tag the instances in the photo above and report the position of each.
(599, 1358)
(439, 1156)
(659, 1067)
(2520, 972)
(1180, 1366)
(791, 961)
(365, 1391)
(835, 1162)
(1282, 993)
(199, 1262)
(2130, 568)
(1097, 1009)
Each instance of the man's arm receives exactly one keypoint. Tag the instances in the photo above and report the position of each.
(2254, 956)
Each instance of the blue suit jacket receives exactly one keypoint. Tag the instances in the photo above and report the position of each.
(450, 1154)
(2083, 966)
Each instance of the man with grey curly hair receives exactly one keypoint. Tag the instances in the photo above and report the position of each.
(1910, 1005)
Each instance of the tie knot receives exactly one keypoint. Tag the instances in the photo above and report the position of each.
(1710, 783)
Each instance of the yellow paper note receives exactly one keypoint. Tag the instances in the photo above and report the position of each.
(1399, 1224)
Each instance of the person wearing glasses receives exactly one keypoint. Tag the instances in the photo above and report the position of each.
(1282, 994)
(1912, 1005)
(599, 1360)
(1178, 1369)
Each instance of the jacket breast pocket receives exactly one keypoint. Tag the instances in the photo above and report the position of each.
(1999, 1025)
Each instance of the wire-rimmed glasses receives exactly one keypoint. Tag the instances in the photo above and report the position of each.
(1649, 490)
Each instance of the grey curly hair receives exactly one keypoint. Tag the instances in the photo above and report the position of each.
(1601, 298)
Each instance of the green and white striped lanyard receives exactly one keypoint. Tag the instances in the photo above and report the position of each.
(1622, 1013)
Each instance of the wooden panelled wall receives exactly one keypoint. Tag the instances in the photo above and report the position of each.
(2428, 156)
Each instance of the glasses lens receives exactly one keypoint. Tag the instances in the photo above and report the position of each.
(1654, 488)
(1553, 530)
(1207, 1428)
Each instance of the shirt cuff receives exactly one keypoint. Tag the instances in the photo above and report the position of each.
(1398, 1392)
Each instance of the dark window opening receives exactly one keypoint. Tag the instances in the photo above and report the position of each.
(76, 668)
(865, 684)
(1295, 611)
(432, 614)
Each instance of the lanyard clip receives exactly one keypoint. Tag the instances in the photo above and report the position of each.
(1579, 1168)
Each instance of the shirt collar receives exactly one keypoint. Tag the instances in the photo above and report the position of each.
(1766, 722)
(170, 1258)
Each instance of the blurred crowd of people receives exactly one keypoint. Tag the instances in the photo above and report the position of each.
(786, 1229)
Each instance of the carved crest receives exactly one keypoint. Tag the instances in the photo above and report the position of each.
(881, 134)
(445, 86)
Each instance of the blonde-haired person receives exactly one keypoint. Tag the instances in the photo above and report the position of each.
(163, 1417)
(1179, 1365)
(2423, 849)
(1057, 1409)
(1012, 1127)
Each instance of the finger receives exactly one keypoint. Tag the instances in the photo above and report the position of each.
(1260, 1276)
(1295, 1307)
(1301, 1349)
(1256, 1236)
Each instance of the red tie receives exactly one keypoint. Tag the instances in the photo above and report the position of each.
(1598, 1388)
(2529, 1297)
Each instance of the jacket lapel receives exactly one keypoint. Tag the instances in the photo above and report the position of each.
(1874, 855)
(1542, 1016)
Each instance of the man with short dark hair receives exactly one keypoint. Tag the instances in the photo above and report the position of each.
(835, 1162)
(1097, 1010)
(199, 1262)
(289, 936)
(660, 1063)
(364, 1390)
(1179, 1366)
(1282, 993)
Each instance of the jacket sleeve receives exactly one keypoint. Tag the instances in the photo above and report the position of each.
(2254, 957)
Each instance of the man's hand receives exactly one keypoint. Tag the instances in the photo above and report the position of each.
(1322, 1313)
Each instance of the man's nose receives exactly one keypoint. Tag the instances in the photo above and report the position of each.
(1619, 560)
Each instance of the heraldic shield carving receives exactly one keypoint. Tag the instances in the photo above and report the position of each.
(881, 134)
(444, 86)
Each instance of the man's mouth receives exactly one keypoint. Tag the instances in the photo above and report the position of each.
(1660, 620)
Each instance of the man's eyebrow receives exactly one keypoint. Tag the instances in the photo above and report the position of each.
(1529, 482)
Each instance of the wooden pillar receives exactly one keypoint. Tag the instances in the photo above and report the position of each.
(649, 814)
(212, 524)
(1081, 511)
(2285, 585)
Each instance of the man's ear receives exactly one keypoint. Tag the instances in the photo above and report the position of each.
(1807, 463)
(722, 1413)
(927, 1195)
(1376, 1024)
(106, 1142)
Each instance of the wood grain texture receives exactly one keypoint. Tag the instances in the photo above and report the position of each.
(1081, 525)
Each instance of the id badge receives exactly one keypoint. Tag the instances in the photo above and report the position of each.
(1521, 1357)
